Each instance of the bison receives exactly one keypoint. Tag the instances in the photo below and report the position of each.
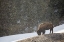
(44, 26)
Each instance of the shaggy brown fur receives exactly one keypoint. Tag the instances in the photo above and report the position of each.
(44, 26)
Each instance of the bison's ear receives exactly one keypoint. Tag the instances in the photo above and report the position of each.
(38, 32)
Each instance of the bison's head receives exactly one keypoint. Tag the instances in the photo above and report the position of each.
(38, 32)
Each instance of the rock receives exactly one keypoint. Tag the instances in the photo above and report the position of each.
(56, 37)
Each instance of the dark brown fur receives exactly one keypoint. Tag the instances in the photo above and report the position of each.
(44, 26)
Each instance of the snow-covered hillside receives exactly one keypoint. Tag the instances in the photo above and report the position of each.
(13, 38)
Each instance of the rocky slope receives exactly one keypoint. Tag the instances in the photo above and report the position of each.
(56, 37)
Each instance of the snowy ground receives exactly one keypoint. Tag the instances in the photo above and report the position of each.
(13, 38)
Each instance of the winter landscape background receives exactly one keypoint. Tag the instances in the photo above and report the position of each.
(24, 16)
(19, 19)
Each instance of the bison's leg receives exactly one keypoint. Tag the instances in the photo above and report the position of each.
(43, 32)
(51, 30)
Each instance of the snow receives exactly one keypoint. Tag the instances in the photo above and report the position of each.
(14, 38)
(61, 31)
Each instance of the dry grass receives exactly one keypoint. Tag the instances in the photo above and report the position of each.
(56, 37)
